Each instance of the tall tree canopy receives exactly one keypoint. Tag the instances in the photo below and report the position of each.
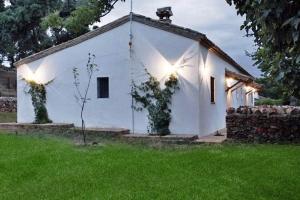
(2, 5)
(29, 26)
(20, 33)
(75, 17)
(275, 26)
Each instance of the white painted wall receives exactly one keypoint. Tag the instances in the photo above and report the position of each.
(212, 116)
(160, 52)
(111, 50)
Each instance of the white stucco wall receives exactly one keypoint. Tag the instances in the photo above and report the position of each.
(111, 50)
(160, 52)
(212, 115)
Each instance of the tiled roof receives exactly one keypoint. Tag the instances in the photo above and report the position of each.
(185, 32)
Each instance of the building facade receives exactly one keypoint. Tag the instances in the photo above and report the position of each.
(199, 107)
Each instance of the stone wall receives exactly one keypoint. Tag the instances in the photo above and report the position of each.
(8, 104)
(8, 83)
(271, 124)
(55, 129)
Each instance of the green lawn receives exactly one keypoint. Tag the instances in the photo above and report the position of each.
(52, 168)
(8, 117)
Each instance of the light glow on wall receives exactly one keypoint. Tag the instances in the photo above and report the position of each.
(160, 64)
(171, 69)
(39, 75)
(229, 82)
(28, 74)
(248, 88)
(174, 69)
(32, 76)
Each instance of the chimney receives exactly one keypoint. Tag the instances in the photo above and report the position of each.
(164, 14)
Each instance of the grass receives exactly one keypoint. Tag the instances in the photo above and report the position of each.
(8, 117)
(48, 168)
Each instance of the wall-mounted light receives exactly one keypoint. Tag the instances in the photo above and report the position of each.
(172, 69)
(248, 88)
(31, 76)
(229, 81)
(35, 76)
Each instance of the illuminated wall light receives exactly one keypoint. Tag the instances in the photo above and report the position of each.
(204, 71)
(172, 69)
(29, 75)
(248, 88)
(229, 81)
(32, 77)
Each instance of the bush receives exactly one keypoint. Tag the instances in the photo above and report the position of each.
(269, 101)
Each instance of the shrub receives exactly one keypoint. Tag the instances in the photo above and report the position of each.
(269, 101)
(149, 95)
(38, 97)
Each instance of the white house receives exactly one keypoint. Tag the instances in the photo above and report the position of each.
(210, 81)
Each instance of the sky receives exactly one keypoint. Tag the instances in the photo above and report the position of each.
(215, 18)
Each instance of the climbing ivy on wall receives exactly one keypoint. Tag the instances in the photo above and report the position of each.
(149, 95)
(39, 99)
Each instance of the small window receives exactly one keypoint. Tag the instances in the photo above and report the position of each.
(212, 90)
(103, 87)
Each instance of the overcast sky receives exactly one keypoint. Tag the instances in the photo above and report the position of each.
(215, 18)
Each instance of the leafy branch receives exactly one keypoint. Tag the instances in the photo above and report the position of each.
(39, 98)
(149, 95)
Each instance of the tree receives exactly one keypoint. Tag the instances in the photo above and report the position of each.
(76, 17)
(273, 90)
(25, 24)
(82, 96)
(20, 31)
(2, 5)
(275, 26)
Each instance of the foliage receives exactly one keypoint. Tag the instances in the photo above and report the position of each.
(275, 26)
(82, 96)
(274, 90)
(157, 101)
(271, 89)
(269, 101)
(2, 5)
(54, 168)
(39, 98)
(20, 31)
(25, 24)
(76, 17)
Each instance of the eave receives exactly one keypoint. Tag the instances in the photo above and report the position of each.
(247, 80)
(185, 32)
